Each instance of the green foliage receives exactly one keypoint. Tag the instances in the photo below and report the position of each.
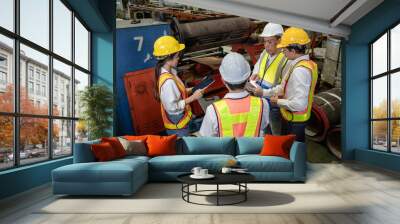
(97, 103)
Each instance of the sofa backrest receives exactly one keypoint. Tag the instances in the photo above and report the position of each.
(247, 145)
(206, 145)
(83, 153)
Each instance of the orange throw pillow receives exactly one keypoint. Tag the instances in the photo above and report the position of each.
(103, 152)
(116, 145)
(277, 145)
(161, 145)
(136, 137)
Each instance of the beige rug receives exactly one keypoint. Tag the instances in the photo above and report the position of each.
(166, 198)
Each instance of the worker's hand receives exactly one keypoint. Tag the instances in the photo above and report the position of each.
(274, 100)
(198, 94)
(189, 90)
(258, 92)
(254, 77)
(249, 87)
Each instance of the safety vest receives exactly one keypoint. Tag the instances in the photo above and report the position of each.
(301, 116)
(239, 117)
(272, 74)
(168, 124)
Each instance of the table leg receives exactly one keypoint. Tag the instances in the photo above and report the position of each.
(196, 188)
(245, 193)
(217, 194)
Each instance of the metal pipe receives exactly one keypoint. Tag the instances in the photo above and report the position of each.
(201, 56)
(208, 34)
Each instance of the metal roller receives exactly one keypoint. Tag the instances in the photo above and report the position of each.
(333, 141)
(213, 33)
(325, 114)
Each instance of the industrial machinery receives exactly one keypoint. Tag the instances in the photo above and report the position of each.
(207, 40)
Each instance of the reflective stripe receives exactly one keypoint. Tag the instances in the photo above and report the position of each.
(301, 116)
(246, 123)
(188, 112)
(272, 75)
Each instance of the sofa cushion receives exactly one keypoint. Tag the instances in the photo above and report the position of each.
(112, 171)
(161, 145)
(277, 145)
(103, 152)
(116, 145)
(257, 163)
(134, 147)
(206, 145)
(247, 145)
(185, 163)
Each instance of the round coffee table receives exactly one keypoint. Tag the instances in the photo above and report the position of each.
(238, 179)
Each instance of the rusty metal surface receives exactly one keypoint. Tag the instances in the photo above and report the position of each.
(212, 62)
(215, 33)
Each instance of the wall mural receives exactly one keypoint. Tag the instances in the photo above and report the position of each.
(208, 37)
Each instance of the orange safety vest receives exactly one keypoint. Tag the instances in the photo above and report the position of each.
(188, 111)
(239, 117)
(301, 116)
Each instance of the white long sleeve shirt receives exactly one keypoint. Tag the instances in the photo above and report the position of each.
(297, 90)
(170, 96)
(209, 127)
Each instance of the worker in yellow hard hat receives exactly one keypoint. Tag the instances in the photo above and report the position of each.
(170, 90)
(294, 95)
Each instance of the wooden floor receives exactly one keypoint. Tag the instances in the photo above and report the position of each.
(378, 189)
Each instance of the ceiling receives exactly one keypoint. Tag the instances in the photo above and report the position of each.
(326, 16)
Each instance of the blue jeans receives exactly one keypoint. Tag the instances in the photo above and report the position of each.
(296, 128)
(275, 121)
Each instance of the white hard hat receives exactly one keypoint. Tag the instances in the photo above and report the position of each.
(272, 29)
(234, 68)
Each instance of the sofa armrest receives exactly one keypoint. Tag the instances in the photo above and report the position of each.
(83, 152)
(298, 155)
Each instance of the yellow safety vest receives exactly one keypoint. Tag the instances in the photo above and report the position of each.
(188, 111)
(301, 116)
(239, 117)
(273, 74)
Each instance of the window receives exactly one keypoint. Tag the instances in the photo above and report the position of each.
(62, 74)
(30, 87)
(7, 14)
(62, 29)
(81, 45)
(38, 89)
(3, 78)
(30, 72)
(37, 74)
(45, 131)
(3, 61)
(6, 73)
(385, 96)
(44, 91)
(35, 22)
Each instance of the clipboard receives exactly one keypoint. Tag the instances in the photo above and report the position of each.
(206, 81)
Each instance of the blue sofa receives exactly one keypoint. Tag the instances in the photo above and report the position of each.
(125, 176)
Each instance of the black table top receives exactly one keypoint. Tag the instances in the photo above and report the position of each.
(220, 178)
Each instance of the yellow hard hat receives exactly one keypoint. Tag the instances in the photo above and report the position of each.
(167, 45)
(293, 35)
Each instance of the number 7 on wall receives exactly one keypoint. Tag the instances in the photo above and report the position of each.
(140, 39)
